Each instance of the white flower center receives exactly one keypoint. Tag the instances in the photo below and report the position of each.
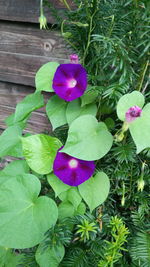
(72, 83)
(73, 163)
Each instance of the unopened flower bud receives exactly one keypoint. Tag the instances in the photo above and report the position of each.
(119, 137)
(122, 201)
(74, 59)
(141, 184)
(43, 22)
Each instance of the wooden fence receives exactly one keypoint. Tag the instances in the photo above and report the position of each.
(23, 49)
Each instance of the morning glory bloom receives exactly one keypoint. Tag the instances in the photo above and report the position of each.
(133, 113)
(72, 171)
(70, 81)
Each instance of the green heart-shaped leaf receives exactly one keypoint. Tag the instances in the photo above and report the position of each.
(44, 77)
(65, 209)
(64, 191)
(16, 167)
(10, 140)
(27, 105)
(10, 121)
(81, 209)
(51, 257)
(95, 190)
(88, 139)
(140, 129)
(9, 258)
(57, 185)
(56, 111)
(74, 110)
(89, 96)
(24, 218)
(127, 101)
(72, 195)
(40, 151)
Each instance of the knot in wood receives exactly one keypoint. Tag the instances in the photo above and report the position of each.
(47, 46)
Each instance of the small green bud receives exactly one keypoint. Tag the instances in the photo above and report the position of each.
(66, 34)
(119, 137)
(141, 184)
(122, 201)
(43, 22)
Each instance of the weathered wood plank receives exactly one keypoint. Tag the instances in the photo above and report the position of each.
(10, 95)
(27, 10)
(20, 68)
(24, 49)
(38, 123)
(22, 39)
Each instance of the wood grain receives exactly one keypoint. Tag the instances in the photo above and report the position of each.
(24, 49)
(10, 95)
(30, 40)
(27, 10)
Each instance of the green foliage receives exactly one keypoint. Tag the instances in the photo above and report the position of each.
(97, 188)
(9, 121)
(10, 142)
(16, 167)
(86, 229)
(59, 234)
(19, 203)
(113, 248)
(75, 110)
(40, 151)
(89, 96)
(57, 185)
(51, 257)
(27, 105)
(140, 249)
(92, 135)
(8, 257)
(56, 111)
(65, 210)
(114, 45)
(72, 195)
(140, 130)
(44, 77)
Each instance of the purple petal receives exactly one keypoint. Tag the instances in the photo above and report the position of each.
(72, 171)
(70, 81)
(133, 113)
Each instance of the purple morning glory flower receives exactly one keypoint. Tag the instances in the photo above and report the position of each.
(70, 81)
(72, 171)
(133, 113)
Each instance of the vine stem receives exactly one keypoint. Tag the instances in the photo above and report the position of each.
(62, 32)
(41, 7)
(145, 87)
(66, 4)
(143, 75)
(89, 37)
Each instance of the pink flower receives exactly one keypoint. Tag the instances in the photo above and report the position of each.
(133, 113)
(74, 59)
